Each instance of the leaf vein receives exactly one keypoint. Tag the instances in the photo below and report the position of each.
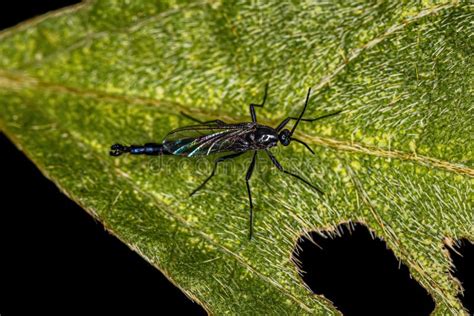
(16, 81)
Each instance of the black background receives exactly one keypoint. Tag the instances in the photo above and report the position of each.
(54, 254)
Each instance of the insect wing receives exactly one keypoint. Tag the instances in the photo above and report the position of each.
(206, 139)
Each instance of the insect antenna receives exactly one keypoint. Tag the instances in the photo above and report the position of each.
(302, 113)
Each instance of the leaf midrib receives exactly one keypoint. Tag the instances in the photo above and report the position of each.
(15, 80)
(21, 80)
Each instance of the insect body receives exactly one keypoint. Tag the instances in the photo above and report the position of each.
(216, 136)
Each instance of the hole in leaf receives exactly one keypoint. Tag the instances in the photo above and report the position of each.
(359, 274)
(462, 256)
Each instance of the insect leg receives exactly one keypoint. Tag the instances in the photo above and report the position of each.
(285, 121)
(247, 178)
(199, 121)
(214, 170)
(253, 105)
(277, 164)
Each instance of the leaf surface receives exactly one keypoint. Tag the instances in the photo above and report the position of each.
(399, 157)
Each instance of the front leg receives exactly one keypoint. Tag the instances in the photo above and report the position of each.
(253, 105)
(285, 121)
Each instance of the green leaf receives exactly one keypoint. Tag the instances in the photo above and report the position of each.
(399, 158)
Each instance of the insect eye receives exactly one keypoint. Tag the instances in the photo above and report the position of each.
(284, 137)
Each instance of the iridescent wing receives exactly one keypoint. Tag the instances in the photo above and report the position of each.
(208, 138)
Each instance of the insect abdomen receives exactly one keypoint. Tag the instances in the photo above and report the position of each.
(151, 149)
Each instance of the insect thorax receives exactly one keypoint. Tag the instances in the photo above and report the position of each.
(263, 137)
